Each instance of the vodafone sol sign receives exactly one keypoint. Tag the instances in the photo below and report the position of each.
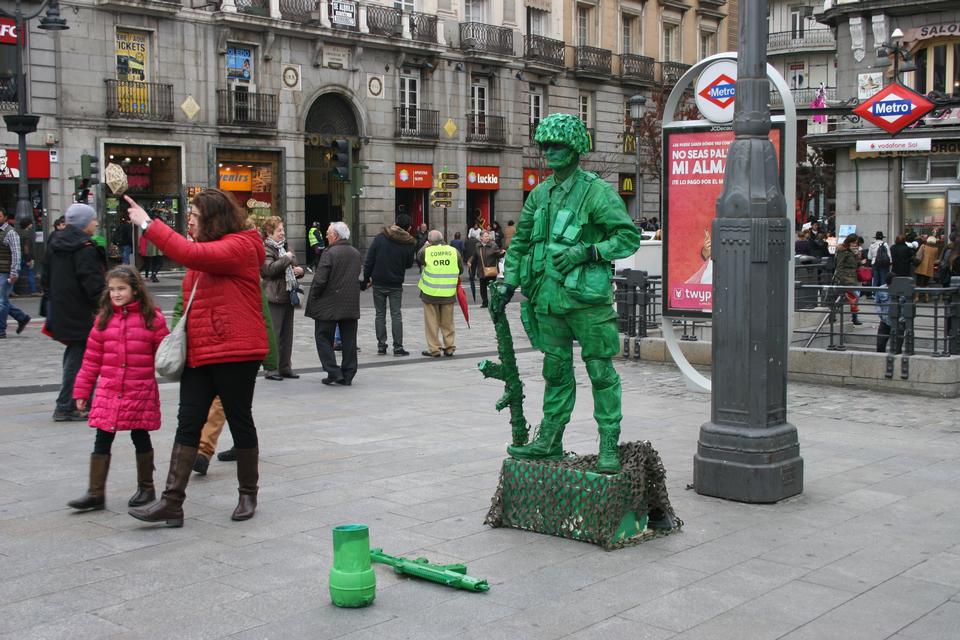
(8, 31)
(716, 91)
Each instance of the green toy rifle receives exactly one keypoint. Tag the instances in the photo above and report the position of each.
(451, 575)
(506, 370)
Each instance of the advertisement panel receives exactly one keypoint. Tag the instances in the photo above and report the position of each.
(413, 176)
(486, 178)
(133, 55)
(8, 31)
(38, 163)
(533, 177)
(235, 178)
(239, 64)
(694, 162)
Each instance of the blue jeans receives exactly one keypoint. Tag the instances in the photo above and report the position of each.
(880, 276)
(126, 250)
(7, 307)
(28, 273)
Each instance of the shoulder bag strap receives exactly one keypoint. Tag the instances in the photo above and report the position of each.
(186, 309)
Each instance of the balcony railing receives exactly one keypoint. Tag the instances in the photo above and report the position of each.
(416, 123)
(254, 7)
(476, 36)
(384, 21)
(806, 39)
(295, 10)
(128, 100)
(245, 108)
(484, 128)
(670, 72)
(592, 59)
(638, 67)
(541, 49)
(801, 97)
(423, 27)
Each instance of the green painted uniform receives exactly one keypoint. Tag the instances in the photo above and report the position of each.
(586, 210)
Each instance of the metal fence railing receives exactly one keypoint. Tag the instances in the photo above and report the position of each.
(637, 297)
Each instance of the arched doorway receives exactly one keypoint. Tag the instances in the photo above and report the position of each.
(327, 197)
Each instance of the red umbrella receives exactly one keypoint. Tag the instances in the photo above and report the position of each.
(462, 299)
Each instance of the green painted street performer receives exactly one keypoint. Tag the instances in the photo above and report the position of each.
(571, 228)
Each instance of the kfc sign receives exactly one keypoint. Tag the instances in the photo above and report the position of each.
(487, 178)
(8, 31)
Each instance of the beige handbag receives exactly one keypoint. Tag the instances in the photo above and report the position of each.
(171, 355)
(489, 272)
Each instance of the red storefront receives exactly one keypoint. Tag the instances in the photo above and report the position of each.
(412, 184)
(38, 172)
(482, 185)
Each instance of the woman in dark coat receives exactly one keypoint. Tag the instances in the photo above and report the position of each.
(901, 258)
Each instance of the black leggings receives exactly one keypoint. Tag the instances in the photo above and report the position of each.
(104, 441)
(234, 383)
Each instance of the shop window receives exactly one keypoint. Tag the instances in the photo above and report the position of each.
(915, 170)
(943, 170)
(251, 177)
(923, 212)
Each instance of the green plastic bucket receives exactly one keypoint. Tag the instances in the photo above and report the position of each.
(352, 580)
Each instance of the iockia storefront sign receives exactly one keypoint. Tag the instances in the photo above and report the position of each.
(483, 178)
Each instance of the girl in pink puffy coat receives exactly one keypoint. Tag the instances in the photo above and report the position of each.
(119, 361)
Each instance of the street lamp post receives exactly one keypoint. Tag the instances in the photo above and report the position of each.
(887, 49)
(748, 451)
(637, 103)
(22, 122)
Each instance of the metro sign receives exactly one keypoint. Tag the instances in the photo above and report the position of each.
(721, 92)
(894, 108)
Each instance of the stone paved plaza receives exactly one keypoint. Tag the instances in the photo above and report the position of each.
(870, 550)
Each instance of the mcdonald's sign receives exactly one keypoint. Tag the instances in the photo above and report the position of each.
(627, 186)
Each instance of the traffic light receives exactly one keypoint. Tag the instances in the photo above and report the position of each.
(448, 180)
(90, 169)
(441, 198)
(340, 159)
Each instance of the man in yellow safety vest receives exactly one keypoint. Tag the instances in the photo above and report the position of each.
(441, 266)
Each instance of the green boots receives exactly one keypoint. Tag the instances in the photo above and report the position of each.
(609, 459)
(548, 445)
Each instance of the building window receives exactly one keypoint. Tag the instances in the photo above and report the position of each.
(626, 45)
(914, 169)
(671, 42)
(943, 170)
(585, 108)
(583, 25)
(409, 98)
(938, 69)
(708, 44)
(534, 109)
(474, 11)
(796, 23)
(133, 55)
(478, 106)
(404, 5)
(538, 22)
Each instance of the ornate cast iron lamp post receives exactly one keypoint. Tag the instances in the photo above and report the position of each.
(637, 103)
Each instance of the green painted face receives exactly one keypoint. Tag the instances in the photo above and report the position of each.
(558, 155)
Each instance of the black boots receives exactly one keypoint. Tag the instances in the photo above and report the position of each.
(169, 507)
(855, 319)
(96, 496)
(248, 475)
(145, 491)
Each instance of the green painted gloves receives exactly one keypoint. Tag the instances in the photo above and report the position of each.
(506, 293)
(566, 260)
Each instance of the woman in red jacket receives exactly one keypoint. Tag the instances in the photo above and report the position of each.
(119, 361)
(226, 341)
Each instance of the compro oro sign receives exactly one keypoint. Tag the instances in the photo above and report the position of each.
(716, 91)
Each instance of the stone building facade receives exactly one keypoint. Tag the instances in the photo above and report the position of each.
(249, 95)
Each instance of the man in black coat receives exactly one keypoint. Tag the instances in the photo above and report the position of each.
(334, 299)
(73, 280)
(388, 258)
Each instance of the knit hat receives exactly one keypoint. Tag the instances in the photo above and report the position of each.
(79, 215)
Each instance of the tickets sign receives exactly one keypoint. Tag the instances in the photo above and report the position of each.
(894, 108)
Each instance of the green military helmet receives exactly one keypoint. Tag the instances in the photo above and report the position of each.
(566, 129)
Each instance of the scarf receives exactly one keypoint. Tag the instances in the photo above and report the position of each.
(288, 274)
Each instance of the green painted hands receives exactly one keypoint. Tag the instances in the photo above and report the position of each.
(566, 260)
(506, 293)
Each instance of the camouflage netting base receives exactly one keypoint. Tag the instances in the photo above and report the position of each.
(567, 498)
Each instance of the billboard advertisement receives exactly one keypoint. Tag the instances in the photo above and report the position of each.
(694, 161)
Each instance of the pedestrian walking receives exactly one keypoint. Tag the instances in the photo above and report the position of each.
(845, 273)
(486, 263)
(384, 268)
(334, 300)
(879, 257)
(119, 363)
(927, 258)
(73, 281)
(226, 342)
(10, 261)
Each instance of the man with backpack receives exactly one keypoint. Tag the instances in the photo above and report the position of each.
(879, 257)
